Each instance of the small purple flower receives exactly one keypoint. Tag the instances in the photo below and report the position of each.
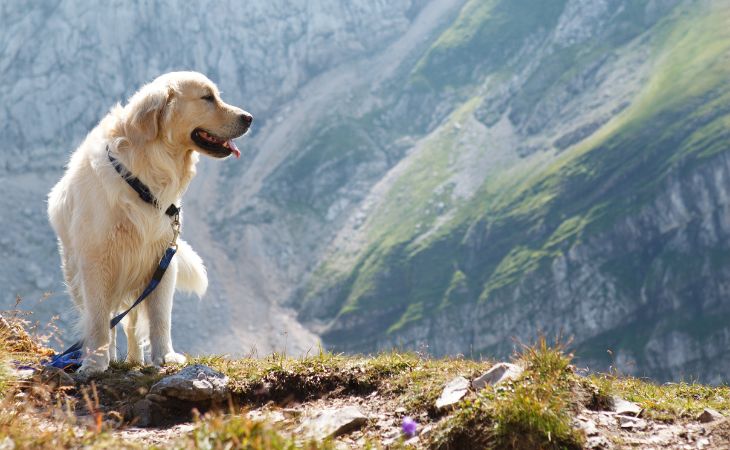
(409, 426)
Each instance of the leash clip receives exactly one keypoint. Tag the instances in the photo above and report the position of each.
(175, 230)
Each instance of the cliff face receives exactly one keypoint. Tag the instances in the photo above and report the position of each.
(445, 175)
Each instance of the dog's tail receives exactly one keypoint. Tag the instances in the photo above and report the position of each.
(191, 273)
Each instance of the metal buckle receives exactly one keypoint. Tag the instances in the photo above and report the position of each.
(175, 224)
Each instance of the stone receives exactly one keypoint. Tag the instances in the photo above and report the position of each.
(710, 415)
(156, 398)
(56, 378)
(631, 423)
(142, 413)
(333, 422)
(194, 383)
(499, 373)
(453, 392)
(587, 425)
(626, 408)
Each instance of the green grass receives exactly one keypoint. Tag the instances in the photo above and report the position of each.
(667, 402)
(216, 431)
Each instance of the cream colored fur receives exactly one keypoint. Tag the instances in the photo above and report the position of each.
(109, 239)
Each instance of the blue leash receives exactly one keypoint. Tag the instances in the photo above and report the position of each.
(71, 358)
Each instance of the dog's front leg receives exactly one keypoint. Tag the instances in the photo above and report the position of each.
(113, 344)
(135, 352)
(96, 313)
(159, 312)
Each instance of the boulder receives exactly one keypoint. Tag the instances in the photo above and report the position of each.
(194, 384)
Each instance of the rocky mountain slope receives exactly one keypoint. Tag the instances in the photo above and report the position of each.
(577, 184)
(436, 175)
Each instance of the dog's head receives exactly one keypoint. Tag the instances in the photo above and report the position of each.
(185, 110)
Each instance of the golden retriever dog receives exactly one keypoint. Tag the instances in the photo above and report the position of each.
(110, 238)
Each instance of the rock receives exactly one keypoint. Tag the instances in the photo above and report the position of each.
(710, 415)
(56, 378)
(291, 412)
(598, 442)
(633, 423)
(333, 422)
(499, 373)
(454, 391)
(194, 383)
(156, 398)
(142, 413)
(587, 425)
(626, 408)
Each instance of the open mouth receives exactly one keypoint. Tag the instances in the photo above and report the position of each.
(214, 145)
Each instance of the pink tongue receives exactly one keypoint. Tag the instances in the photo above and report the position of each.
(234, 149)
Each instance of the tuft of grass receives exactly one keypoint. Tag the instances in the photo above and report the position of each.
(532, 412)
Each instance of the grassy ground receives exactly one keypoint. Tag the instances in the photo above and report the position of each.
(535, 411)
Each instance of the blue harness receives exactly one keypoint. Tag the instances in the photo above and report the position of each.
(71, 358)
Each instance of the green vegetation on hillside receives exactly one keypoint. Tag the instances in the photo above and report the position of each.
(545, 204)
(484, 36)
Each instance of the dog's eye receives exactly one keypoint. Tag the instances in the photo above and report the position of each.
(208, 98)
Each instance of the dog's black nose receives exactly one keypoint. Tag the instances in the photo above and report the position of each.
(246, 119)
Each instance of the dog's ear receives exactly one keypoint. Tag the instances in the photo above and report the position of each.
(144, 113)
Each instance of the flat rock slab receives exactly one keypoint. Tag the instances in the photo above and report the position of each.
(194, 384)
(454, 391)
(499, 373)
(626, 408)
(333, 422)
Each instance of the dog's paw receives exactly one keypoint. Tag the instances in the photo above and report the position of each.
(170, 358)
(90, 366)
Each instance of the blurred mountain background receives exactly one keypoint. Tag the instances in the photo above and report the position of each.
(447, 176)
